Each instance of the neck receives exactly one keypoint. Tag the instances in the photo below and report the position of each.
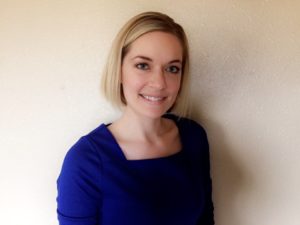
(138, 127)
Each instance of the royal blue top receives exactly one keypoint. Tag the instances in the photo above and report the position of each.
(99, 186)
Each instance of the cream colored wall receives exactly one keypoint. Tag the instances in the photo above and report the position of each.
(246, 92)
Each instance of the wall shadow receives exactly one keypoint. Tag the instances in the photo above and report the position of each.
(229, 177)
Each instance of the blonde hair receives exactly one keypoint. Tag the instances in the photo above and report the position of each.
(137, 26)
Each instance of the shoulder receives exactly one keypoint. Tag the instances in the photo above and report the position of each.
(188, 126)
(193, 136)
(84, 155)
(80, 161)
(81, 152)
(92, 150)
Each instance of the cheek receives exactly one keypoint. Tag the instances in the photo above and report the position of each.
(132, 81)
(175, 84)
(131, 86)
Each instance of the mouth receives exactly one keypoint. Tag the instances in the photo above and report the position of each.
(153, 98)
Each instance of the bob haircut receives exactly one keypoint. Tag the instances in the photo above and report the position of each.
(137, 26)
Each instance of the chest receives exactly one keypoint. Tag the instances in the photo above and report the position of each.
(157, 148)
(153, 189)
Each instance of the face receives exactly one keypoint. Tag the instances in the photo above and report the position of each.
(151, 74)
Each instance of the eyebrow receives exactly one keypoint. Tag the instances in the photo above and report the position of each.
(149, 59)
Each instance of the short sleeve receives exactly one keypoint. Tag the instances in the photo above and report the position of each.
(78, 185)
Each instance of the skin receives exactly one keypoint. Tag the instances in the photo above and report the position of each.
(151, 76)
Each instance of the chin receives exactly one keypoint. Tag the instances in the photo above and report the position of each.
(153, 115)
(150, 113)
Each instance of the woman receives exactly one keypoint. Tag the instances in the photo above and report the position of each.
(150, 166)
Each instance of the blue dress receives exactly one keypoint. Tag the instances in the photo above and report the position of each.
(99, 186)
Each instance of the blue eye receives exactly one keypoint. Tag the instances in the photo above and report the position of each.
(173, 69)
(142, 66)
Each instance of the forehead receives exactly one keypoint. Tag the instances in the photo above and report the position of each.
(157, 45)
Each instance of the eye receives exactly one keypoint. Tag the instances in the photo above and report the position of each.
(142, 66)
(173, 69)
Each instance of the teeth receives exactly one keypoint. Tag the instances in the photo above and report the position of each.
(151, 98)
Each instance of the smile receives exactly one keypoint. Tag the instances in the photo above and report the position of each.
(152, 98)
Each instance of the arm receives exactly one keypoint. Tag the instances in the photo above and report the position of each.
(79, 196)
(207, 218)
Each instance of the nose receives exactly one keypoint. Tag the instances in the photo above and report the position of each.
(158, 79)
